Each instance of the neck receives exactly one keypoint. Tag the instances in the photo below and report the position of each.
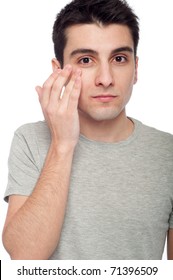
(110, 131)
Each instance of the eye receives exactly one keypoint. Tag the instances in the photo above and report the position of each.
(85, 60)
(120, 59)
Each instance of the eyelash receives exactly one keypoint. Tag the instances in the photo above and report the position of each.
(122, 57)
(82, 59)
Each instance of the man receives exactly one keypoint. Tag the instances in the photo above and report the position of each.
(90, 182)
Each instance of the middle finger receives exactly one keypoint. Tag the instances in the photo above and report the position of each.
(59, 83)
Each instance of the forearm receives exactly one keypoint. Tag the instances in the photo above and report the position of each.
(34, 231)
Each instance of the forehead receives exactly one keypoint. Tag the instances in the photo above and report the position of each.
(97, 37)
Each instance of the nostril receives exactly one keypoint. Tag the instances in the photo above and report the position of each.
(104, 77)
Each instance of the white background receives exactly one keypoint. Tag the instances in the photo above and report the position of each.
(26, 50)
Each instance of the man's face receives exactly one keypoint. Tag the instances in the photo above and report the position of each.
(109, 70)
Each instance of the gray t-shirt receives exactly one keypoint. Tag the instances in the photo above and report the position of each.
(120, 202)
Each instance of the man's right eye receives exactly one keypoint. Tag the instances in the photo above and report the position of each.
(85, 60)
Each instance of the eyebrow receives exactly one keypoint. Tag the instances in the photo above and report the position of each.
(83, 51)
(123, 49)
(90, 51)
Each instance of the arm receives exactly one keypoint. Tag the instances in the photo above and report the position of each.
(33, 224)
(170, 244)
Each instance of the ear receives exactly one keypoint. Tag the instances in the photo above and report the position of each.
(55, 64)
(136, 70)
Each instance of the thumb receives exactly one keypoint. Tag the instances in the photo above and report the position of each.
(39, 91)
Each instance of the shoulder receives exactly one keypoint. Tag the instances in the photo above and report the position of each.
(32, 136)
(154, 138)
(33, 130)
(156, 134)
(31, 142)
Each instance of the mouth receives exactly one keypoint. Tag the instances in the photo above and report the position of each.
(104, 98)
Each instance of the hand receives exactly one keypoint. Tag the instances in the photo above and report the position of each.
(61, 114)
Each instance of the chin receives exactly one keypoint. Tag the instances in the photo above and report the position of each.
(102, 115)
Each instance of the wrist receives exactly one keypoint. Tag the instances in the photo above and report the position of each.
(61, 150)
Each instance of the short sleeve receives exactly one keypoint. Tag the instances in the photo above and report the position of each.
(23, 164)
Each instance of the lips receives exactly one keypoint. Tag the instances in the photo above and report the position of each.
(104, 98)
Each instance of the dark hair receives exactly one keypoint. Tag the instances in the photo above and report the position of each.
(93, 11)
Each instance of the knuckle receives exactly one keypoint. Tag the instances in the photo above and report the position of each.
(61, 113)
(55, 111)
(46, 85)
(50, 110)
(69, 115)
(74, 97)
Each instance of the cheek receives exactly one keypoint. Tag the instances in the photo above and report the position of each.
(84, 93)
(125, 86)
(87, 84)
(128, 81)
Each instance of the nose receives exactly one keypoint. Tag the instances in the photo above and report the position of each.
(104, 76)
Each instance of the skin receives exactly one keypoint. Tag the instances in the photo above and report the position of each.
(107, 72)
(98, 78)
